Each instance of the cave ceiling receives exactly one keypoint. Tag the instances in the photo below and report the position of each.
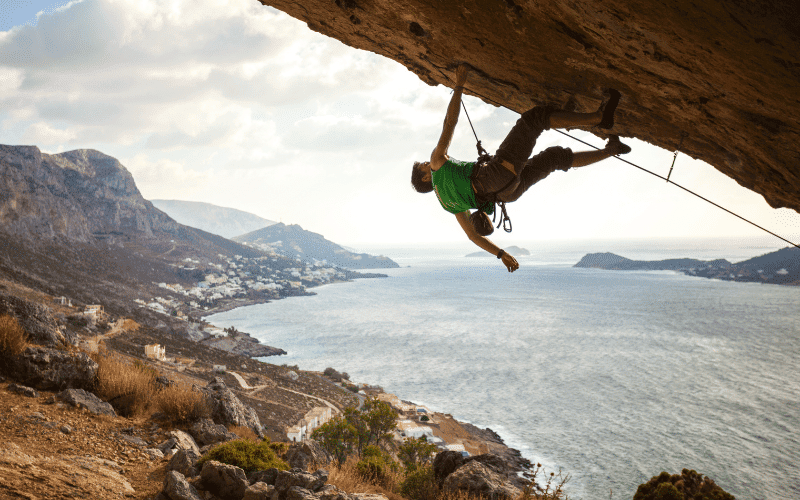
(724, 74)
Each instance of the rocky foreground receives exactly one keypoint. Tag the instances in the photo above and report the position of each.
(60, 440)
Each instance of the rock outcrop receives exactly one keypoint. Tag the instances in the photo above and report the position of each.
(86, 400)
(724, 73)
(36, 320)
(306, 454)
(81, 195)
(227, 409)
(50, 369)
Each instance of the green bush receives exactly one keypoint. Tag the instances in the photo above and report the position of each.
(419, 484)
(688, 485)
(375, 466)
(247, 455)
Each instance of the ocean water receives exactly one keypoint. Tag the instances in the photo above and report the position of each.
(609, 376)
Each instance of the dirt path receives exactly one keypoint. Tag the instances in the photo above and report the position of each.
(246, 386)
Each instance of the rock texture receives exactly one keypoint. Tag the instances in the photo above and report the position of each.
(36, 320)
(723, 72)
(227, 409)
(87, 400)
(49, 369)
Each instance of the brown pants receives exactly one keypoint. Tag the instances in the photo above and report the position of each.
(495, 181)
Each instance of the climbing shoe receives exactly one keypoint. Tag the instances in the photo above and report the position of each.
(615, 145)
(608, 108)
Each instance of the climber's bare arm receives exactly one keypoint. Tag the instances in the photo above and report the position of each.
(483, 242)
(439, 154)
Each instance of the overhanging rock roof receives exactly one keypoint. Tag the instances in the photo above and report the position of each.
(725, 73)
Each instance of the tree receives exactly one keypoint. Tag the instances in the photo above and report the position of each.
(337, 437)
(380, 418)
(415, 452)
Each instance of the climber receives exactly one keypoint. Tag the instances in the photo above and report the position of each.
(509, 173)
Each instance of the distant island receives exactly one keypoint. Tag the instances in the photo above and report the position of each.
(781, 267)
(512, 250)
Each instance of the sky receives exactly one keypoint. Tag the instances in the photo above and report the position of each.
(239, 105)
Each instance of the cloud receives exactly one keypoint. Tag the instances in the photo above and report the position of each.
(165, 178)
(43, 133)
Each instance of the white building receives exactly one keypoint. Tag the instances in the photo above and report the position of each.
(220, 368)
(93, 310)
(155, 351)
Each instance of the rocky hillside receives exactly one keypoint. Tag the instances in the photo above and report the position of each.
(294, 241)
(222, 221)
(75, 225)
(724, 73)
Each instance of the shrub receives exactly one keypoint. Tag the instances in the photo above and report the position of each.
(688, 485)
(247, 455)
(13, 339)
(419, 484)
(377, 467)
(243, 432)
(130, 388)
(415, 452)
(552, 489)
(181, 404)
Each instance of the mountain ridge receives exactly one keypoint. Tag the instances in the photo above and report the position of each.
(223, 221)
(294, 241)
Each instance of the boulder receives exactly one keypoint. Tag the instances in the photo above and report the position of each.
(226, 481)
(298, 493)
(48, 369)
(263, 476)
(306, 455)
(227, 409)
(206, 432)
(478, 479)
(445, 463)
(494, 462)
(24, 390)
(331, 492)
(36, 320)
(184, 441)
(177, 488)
(184, 461)
(260, 491)
(87, 400)
(286, 480)
(154, 454)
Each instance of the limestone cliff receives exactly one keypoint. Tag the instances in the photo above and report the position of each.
(81, 195)
(725, 72)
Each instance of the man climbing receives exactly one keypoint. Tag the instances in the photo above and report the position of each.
(461, 186)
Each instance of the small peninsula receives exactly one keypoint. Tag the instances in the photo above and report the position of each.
(781, 267)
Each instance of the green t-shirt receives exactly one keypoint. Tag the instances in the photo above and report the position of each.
(453, 187)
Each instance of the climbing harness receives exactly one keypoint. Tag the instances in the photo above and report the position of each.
(483, 159)
(480, 148)
(675, 157)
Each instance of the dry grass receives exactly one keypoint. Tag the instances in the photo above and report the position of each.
(13, 339)
(244, 432)
(181, 404)
(129, 387)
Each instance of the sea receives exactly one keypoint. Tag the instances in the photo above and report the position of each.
(608, 376)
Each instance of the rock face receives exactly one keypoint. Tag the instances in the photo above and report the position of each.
(724, 73)
(49, 369)
(306, 454)
(478, 479)
(35, 319)
(81, 195)
(227, 409)
(87, 400)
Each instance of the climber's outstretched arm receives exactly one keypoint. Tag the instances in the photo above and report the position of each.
(483, 242)
(439, 154)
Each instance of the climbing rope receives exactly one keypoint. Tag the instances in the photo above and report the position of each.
(642, 169)
(483, 159)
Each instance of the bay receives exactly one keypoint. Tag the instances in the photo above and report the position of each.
(610, 376)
